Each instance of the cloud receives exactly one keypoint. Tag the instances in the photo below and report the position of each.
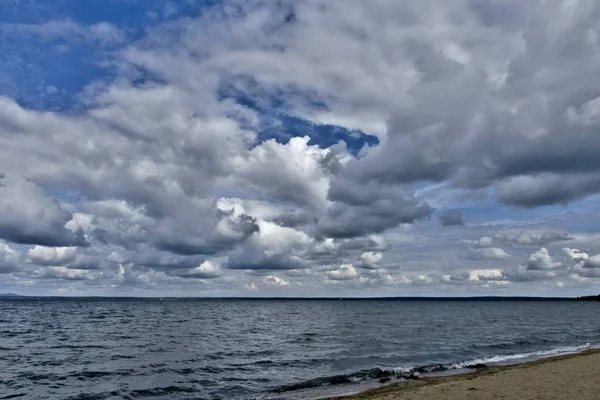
(585, 266)
(532, 239)
(360, 210)
(102, 33)
(451, 218)
(484, 242)
(475, 277)
(523, 274)
(369, 260)
(273, 247)
(343, 273)
(592, 262)
(575, 254)
(29, 216)
(9, 259)
(207, 270)
(272, 280)
(545, 189)
(289, 172)
(57, 256)
(541, 261)
(64, 273)
(488, 253)
(372, 243)
(157, 175)
(294, 219)
(226, 230)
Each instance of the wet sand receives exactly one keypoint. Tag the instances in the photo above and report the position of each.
(570, 377)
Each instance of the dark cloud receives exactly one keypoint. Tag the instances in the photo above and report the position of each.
(266, 262)
(451, 218)
(546, 189)
(534, 239)
(8, 268)
(365, 244)
(295, 219)
(363, 209)
(88, 263)
(29, 216)
(206, 270)
(238, 229)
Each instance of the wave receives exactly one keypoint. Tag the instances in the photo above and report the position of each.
(139, 393)
(511, 344)
(378, 373)
(374, 373)
(498, 359)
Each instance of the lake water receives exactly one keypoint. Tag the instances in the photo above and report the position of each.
(265, 349)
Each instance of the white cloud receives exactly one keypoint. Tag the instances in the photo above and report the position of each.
(272, 280)
(541, 261)
(343, 273)
(575, 254)
(370, 260)
(489, 253)
(102, 33)
(484, 242)
(65, 273)
(56, 256)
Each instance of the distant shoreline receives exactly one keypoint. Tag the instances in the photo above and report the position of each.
(407, 298)
(568, 377)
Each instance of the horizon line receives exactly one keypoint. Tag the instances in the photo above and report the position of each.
(14, 295)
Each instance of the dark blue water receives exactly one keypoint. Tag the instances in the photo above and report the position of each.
(242, 349)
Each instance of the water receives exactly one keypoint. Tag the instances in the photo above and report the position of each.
(259, 349)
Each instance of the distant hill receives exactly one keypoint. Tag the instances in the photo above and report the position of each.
(10, 295)
(589, 298)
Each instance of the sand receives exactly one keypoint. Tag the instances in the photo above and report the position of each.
(572, 377)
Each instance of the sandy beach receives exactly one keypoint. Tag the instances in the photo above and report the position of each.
(570, 377)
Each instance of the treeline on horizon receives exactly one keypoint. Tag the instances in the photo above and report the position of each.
(411, 298)
(589, 298)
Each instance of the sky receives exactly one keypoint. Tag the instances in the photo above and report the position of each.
(300, 148)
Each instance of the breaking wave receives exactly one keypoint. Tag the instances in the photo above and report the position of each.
(401, 372)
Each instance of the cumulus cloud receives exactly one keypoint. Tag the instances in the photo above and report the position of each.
(488, 253)
(57, 256)
(477, 276)
(64, 273)
(484, 242)
(289, 172)
(272, 280)
(8, 259)
(360, 210)
(343, 273)
(160, 174)
(273, 247)
(541, 261)
(575, 254)
(592, 262)
(369, 260)
(544, 189)
(207, 270)
(29, 216)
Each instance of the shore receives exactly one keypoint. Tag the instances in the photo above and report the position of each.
(568, 377)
